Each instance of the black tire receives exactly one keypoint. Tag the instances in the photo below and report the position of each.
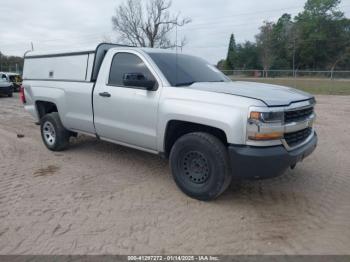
(53, 122)
(200, 166)
(10, 94)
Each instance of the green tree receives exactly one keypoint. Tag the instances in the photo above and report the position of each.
(282, 42)
(265, 45)
(338, 50)
(317, 38)
(231, 54)
(323, 34)
(247, 56)
(221, 64)
(10, 63)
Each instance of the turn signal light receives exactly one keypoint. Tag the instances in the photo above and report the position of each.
(268, 136)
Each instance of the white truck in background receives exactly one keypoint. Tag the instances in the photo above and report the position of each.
(179, 106)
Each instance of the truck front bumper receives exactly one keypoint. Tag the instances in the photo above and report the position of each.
(249, 162)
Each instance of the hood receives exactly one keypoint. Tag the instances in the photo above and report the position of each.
(271, 95)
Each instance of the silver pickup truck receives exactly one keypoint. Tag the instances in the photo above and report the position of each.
(179, 106)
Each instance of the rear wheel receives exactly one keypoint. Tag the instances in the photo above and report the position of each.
(10, 94)
(200, 166)
(53, 133)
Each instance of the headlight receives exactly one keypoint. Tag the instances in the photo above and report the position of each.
(261, 126)
(267, 117)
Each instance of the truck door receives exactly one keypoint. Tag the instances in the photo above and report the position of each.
(124, 113)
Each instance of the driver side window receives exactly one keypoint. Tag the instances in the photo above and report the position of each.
(126, 66)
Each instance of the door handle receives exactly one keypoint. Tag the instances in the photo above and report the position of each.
(105, 94)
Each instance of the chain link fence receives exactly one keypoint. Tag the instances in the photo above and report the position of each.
(333, 75)
(316, 82)
(13, 68)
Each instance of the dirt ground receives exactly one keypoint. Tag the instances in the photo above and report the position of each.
(100, 198)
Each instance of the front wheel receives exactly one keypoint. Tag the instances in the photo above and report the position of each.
(54, 135)
(200, 166)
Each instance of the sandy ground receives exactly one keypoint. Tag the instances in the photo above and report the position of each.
(99, 198)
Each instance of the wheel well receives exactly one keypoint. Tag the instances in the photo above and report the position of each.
(45, 108)
(176, 129)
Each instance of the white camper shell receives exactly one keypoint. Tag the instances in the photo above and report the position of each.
(79, 66)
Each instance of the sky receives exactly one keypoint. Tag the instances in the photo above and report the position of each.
(65, 24)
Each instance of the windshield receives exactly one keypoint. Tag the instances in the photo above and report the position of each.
(184, 70)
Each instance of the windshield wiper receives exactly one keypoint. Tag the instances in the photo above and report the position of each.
(185, 83)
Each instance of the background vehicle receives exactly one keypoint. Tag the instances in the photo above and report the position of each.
(14, 78)
(175, 105)
(6, 88)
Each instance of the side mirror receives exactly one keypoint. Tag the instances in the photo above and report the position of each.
(138, 80)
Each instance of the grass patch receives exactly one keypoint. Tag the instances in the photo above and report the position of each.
(313, 86)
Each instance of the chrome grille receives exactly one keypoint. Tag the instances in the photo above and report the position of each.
(298, 115)
(296, 138)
